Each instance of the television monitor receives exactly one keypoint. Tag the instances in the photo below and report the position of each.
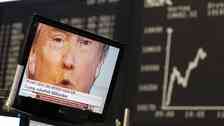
(68, 73)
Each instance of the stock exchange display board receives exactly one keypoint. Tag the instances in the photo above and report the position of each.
(173, 65)
(181, 71)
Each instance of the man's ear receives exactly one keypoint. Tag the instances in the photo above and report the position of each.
(32, 58)
(32, 63)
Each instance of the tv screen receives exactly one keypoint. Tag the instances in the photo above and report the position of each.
(67, 68)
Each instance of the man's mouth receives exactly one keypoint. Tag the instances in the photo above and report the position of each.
(65, 83)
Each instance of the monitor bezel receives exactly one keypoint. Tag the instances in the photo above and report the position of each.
(24, 104)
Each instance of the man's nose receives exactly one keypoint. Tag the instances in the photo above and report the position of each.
(69, 60)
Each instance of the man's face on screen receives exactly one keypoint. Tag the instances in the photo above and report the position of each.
(65, 59)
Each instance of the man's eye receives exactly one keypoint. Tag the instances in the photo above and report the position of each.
(85, 42)
(58, 39)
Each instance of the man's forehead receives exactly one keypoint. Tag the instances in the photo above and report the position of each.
(54, 29)
(57, 30)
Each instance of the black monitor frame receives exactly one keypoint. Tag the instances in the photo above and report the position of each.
(53, 111)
